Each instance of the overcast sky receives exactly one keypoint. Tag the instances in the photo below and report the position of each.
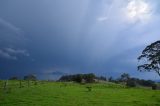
(49, 38)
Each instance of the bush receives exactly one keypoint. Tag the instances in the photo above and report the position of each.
(80, 78)
(89, 88)
(131, 83)
(154, 87)
(30, 77)
(13, 78)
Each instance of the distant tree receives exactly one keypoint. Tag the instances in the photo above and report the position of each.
(101, 78)
(66, 78)
(124, 77)
(154, 87)
(131, 83)
(13, 78)
(30, 77)
(110, 79)
(152, 56)
(147, 83)
(78, 78)
(88, 78)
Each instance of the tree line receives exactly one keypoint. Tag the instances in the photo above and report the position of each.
(123, 79)
(132, 82)
(26, 77)
(89, 78)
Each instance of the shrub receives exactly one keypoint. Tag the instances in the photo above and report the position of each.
(131, 83)
(30, 77)
(80, 78)
(154, 87)
(89, 88)
(13, 78)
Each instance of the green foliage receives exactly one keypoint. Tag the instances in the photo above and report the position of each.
(102, 78)
(154, 87)
(110, 79)
(152, 54)
(88, 78)
(89, 88)
(13, 78)
(131, 83)
(124, 77)
(30, 77)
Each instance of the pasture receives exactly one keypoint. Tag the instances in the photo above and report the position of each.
(73, 94)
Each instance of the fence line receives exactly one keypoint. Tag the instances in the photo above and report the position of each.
(6, 85)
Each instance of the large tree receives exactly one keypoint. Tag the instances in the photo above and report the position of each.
(151, 55)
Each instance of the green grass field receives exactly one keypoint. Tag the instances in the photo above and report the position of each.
(71, 94)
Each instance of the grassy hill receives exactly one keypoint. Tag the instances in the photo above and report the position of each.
(72, 94)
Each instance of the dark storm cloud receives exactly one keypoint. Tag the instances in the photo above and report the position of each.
(11, 40)
(50, 38)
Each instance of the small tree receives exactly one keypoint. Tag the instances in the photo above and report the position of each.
(13, 78)
(154, 87)
(110, 79)
(152, 55)
(89, 77)
(124, 77)
(89, 88)
(78, 78)
(30, 77)
(131, 83)
(20, 83)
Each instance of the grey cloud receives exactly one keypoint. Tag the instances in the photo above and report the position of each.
(10, 34)
(10, 53)
(68, 34)
(10, 26)
(6, 55)
(12, 38)
(17, 51)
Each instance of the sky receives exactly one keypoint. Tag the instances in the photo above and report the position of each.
(50, 38)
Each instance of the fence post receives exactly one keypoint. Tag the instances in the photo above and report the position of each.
(20, 83)
(35, 83)
(5, 85)
(28, 83)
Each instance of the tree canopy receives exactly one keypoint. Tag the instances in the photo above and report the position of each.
(152, 56)
(89, 78)
(30, 77)
(124, 77)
